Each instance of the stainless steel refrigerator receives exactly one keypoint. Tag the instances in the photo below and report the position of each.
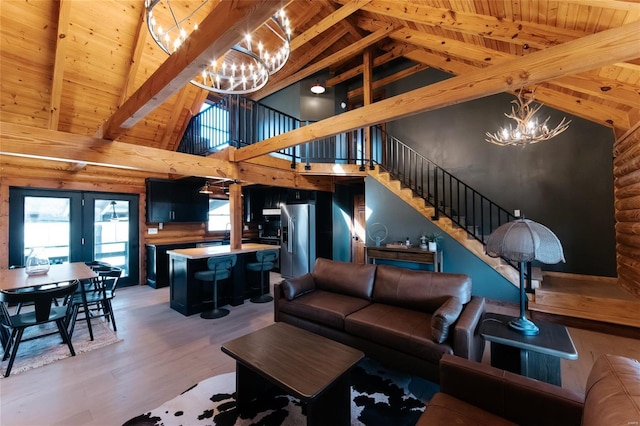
(298, 239)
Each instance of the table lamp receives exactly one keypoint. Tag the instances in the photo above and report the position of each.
(523, 241)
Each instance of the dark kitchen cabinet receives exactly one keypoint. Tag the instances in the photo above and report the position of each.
(176, 201)
(253, 204)
(158, 262)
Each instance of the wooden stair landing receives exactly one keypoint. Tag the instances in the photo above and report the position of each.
(591, 298)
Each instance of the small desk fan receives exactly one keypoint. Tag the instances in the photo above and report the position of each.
(377, 232)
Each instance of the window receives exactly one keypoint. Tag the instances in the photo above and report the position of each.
(219, 216)
(214, 126)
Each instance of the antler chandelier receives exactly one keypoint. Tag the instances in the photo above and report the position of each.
(527, 129)
(245, 68)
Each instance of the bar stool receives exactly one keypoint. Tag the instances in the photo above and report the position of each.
(219, 269)
(265, 261)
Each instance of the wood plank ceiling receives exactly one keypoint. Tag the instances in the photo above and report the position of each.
(72, 65)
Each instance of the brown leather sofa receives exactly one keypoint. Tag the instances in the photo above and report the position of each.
(478, 394)
(406, 319)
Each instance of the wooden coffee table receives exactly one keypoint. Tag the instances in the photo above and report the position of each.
(309, 367)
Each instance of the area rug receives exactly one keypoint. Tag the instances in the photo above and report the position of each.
(379, 396)
(46, 350)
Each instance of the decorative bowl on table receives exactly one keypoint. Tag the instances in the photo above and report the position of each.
(37, 263)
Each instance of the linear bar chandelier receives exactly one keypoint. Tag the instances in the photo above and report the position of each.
(527, 129)
(245, 68)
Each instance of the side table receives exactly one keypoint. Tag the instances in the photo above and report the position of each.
(536, 356)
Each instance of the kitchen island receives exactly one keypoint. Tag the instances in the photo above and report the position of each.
(187, 294)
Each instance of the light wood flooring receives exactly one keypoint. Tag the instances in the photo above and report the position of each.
(164, 353)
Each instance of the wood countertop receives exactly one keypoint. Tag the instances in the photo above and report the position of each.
(212, 251)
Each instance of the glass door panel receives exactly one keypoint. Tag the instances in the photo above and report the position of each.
(111, 233)
(47, 225)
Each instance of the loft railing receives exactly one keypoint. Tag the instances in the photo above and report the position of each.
(237, 121)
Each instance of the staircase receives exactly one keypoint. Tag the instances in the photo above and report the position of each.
(446, 224)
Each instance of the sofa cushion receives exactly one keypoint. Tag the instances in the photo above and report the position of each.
(446, 410)
(351, 279)
(403, 329)
(612, 395)
(323, 307)
(444, 317)
(294, 287)
(422, 290)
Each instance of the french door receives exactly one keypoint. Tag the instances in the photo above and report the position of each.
(75, 226)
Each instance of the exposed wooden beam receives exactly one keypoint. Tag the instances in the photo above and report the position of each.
(347, 52)
(614, 45)
(396, 51)
(388, 80)
(136, 56)
(178, 106)
(446, 46)
(335, 170)
(590, 110)
(218, 32)
(581, 107)
(300, 61)
(59, 63)
(491, 27)
(328, 22)
(255, 173)
(235, 207)
(32, 142)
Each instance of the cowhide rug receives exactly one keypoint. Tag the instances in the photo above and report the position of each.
(378, 397)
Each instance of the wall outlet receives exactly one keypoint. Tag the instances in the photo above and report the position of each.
(160, 225)
(152, 231)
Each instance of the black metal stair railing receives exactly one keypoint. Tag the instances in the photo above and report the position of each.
(466, 207)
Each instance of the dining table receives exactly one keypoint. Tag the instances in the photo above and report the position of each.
(18, 279)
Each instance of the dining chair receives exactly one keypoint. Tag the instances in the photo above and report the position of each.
(42, 313)
(19, 306)
(99, 293)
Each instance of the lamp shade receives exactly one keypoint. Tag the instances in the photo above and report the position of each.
(524, 240)
(206, 188)
(317, 88)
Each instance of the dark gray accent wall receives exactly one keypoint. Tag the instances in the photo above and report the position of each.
(286, 100)
(298, 101)
(565, 183)
(404, 221)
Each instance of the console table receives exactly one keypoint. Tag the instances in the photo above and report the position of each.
(536, 356)
(411, 254)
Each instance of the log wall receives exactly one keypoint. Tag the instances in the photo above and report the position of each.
(626, 171)
(25, 172)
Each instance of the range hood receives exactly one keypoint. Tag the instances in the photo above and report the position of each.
(271, 212)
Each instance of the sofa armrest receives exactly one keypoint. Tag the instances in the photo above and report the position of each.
(516, 398)
(467, 342)
(277, 295)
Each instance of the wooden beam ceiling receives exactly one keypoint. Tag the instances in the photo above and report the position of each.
(593, 51)
(224, 26)
(352, 50)
(328, 22)
(58, 66)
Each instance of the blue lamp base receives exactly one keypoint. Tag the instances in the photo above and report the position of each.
(524, 326)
